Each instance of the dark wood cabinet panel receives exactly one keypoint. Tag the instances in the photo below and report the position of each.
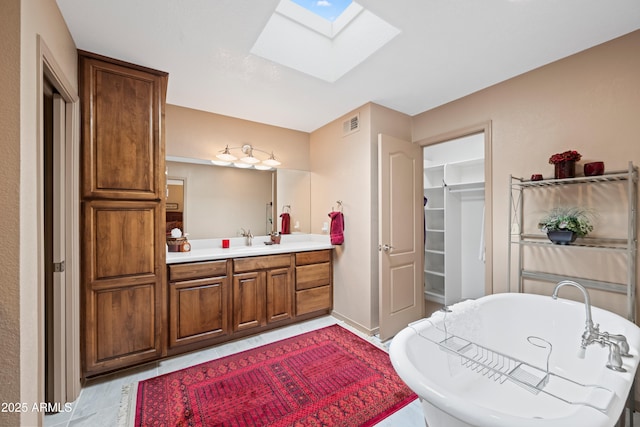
(313, 275)
(313, 257)
(248, 300)
(316, 299)
(125, 323)
(198, 310)
(241, 265)
(279, 295)
(195, 270)
(122, 132)
(121, 238)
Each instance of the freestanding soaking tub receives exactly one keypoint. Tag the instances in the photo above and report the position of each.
(515, 360)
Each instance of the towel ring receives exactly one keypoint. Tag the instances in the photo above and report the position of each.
(286, 208)
(339, 202)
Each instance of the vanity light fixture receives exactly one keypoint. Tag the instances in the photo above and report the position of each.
(247, 158)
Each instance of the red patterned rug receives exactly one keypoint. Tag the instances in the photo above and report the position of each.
(328, 377)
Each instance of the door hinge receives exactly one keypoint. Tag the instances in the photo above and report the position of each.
(58, 267)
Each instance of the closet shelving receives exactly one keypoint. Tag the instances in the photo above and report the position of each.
(443, 282)
(627, 247)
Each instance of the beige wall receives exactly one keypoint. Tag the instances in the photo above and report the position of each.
(199, 134)
(589, 102)
(9, 193)
(345, 168)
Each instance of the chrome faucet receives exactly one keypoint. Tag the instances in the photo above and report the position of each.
(618, 345)
(248, 237)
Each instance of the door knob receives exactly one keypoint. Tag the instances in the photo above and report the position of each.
(386, 247)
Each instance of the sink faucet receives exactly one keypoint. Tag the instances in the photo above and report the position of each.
(617, 344)
(248, 236)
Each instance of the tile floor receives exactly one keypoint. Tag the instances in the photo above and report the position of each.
(99, 400)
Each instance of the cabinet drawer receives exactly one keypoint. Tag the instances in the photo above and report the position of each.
(311, 300)
(313, 275)
(194, 270)
(242, 265)
(313, 257)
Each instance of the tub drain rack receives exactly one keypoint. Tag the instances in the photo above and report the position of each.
(500, 367)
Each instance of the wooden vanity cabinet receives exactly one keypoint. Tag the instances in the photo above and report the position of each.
(199, 303)
(314, 277)
(262, 291)
(122, 215)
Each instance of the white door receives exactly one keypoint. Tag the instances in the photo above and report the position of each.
(401, 253)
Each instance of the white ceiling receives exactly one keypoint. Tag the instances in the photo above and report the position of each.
(446, 49)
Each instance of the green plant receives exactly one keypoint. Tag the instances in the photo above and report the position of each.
(573, 219)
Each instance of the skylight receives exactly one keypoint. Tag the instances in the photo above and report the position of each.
(327, 9)
(298, 37)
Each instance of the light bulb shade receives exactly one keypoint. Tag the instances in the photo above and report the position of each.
(250, 159)
(271, 161)
(226, 155)
(242, 165)
(220, 162)
(263, 167)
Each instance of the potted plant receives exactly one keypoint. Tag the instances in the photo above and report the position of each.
(564, 224)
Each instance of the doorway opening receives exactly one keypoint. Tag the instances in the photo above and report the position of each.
(59, 234)
(457, 212)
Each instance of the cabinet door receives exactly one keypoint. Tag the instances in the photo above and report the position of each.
(279, 294)
(248, 300)
(123, 276)
(198, 310)
(122, 149)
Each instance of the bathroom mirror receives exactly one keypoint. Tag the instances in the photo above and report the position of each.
(175, 202)
(293, 195)
(219, 201)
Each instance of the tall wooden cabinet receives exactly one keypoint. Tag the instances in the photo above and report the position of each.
(123, 181)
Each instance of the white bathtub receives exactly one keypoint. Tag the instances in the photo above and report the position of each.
(454, 394)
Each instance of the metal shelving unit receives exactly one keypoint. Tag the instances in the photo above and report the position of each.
(518, 188)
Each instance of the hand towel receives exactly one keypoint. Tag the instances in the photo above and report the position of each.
(337, 228)
(286, 223)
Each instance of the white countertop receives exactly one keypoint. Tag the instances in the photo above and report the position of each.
(211, 249)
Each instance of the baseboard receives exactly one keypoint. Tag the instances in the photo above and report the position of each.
(356, 325)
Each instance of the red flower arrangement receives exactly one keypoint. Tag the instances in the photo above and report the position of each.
(571, 155)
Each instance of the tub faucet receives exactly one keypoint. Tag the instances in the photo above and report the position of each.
(618, 345)
(591, 332)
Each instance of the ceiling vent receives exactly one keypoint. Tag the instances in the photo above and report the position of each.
(351, 125)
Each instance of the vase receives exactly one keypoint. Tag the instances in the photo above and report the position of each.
(593, 168)
(565, 169)
(562, 237)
